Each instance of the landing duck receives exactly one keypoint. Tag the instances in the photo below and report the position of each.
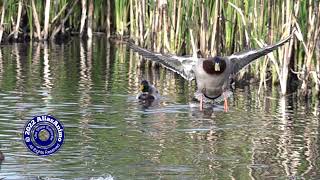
(213, 74)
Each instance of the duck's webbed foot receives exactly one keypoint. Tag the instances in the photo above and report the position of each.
(225, 105)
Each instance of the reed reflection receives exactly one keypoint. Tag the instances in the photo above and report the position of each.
(288, 151)
(263, 137)
(109, 57)
(311, 142)
(292, 149)
(35, 59)
(18, 68)
(1, 66)
(85, 85)
(46, 68)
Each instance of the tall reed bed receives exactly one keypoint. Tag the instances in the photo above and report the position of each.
(219, 27)
(223, 27)
(49, 19)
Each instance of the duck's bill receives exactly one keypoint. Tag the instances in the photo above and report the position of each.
(141, 87)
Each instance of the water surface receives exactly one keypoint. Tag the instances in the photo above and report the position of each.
(92, 88)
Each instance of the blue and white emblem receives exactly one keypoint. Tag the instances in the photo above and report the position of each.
(43, 135)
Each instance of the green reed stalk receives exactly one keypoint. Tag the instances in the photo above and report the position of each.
(2, 19)
(121, 10)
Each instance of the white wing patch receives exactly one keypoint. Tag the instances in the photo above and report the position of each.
(242, 55)
(216, 67)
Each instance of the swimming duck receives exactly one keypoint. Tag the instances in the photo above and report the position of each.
(1, 156)
(148, 93)
(212, 74)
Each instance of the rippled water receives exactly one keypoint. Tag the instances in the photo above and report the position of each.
(92, 89)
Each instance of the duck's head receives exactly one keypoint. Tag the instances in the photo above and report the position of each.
(144, 86)
(214, 66)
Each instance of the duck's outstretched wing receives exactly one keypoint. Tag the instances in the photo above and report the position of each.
(184, 66)
(242, 59)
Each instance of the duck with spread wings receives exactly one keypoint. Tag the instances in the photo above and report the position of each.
(212, 74)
